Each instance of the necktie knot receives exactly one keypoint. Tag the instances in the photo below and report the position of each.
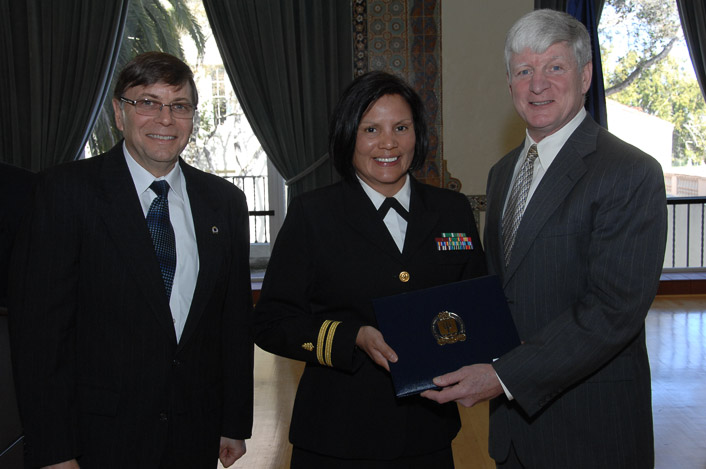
(391, 202)
(161, 188)
(532, 153)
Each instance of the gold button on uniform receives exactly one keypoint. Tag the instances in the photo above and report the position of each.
(404, 276)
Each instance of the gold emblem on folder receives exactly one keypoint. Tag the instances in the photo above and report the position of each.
(448, 328)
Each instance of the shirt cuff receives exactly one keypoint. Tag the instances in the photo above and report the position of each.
(505, 390)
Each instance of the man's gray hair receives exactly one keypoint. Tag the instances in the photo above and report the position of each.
(540, 29)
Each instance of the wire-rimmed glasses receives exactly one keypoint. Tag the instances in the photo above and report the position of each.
(150, 107)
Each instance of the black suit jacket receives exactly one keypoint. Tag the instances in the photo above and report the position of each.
(15, 190)
(334, 255)
(582, 275)
(99, 373)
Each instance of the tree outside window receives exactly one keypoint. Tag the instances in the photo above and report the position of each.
(654, 99)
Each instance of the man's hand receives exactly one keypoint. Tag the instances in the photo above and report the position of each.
(231, 451)
(371, 341)
(73, 464)
(467, 386)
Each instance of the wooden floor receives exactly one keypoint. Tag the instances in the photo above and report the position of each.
(676, 339)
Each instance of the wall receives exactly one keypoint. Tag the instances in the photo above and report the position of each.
(479, 123)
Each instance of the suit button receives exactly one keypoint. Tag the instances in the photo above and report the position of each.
(163, 416)
(176, 362)
(404, 276)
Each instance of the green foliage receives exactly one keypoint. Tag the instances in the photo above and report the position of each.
(651, 23)
(666, 92)
(667, 88)
(151, 25)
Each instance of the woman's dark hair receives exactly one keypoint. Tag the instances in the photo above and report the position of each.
(154, 67)
(355, 101)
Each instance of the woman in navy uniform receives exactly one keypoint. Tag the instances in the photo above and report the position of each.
(335, 253)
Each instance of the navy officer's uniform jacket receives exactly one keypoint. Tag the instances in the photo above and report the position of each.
(333, 256)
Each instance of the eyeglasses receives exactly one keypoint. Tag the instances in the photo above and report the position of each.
(150, 107)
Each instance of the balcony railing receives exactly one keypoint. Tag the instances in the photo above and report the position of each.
(255, 188)
(686, 238)
(685, 233)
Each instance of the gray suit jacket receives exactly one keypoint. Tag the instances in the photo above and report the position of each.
(99, 373)
(583, 273)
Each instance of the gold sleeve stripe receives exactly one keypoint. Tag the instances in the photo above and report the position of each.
(329, 342)
(321, 340)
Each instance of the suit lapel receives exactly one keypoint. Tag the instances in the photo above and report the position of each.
(361, 216)
(212, 231)
(122, 214)
(422, 219)
(564, 173)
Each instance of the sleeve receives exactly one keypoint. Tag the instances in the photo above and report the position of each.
(42, 320)
(623, 262)
(285, 320)
(237, 338)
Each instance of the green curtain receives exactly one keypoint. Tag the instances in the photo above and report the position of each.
(55, 69)
(288, 61)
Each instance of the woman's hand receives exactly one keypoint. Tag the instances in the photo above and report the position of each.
(371, 341)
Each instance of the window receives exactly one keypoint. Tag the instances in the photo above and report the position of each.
(653, 98)
(218, 93)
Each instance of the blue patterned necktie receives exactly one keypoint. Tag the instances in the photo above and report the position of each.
(162, 233)
(515, 208)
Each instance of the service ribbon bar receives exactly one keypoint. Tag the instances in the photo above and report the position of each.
(454, 242)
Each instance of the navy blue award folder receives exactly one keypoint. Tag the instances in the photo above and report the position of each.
(441, 329)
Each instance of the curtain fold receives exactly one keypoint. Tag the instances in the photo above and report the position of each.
(58, 58)
(288, 61)
(693, 20)
(588, 12)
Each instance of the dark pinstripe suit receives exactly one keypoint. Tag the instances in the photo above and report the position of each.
(583, 273)
(99, 372)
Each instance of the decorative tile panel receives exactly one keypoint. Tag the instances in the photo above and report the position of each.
(404, 37)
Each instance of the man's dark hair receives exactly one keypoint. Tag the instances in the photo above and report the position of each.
(155, 67)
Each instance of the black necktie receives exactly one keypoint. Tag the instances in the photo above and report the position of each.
(162, 233)
(391, 202)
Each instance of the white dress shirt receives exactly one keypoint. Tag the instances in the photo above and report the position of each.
(396, 225)
(187, 266)
(547, 150)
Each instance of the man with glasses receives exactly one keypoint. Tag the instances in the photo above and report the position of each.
(130, 339)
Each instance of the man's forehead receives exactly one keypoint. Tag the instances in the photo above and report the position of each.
(557, 51)
(161, 89)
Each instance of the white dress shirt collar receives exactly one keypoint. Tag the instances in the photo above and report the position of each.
(550, 145)
(143, 179)
(402, 196)
(396, 225)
